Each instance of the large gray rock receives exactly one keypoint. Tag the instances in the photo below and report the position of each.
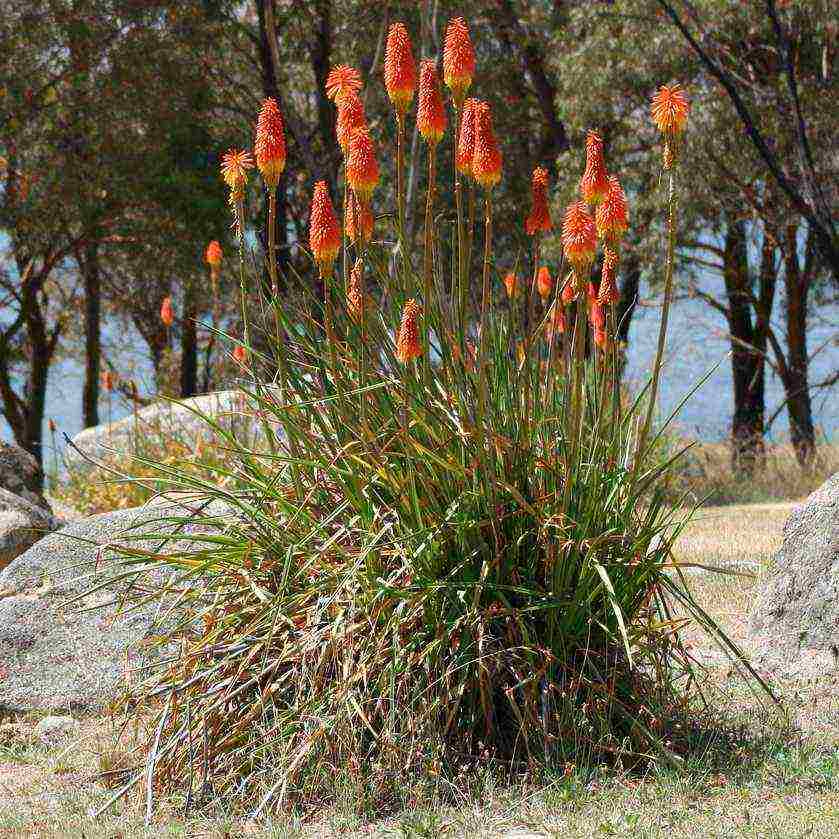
(22, 524)
(146, 430)
(21, 475)
(53, 655)
(795, 623)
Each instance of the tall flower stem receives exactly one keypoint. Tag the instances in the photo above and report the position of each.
(429, 256)
(470, 233)
(400, 196)
(530, 328)
(672, 210)
(461, 251)
(578, 373)
(240, 229)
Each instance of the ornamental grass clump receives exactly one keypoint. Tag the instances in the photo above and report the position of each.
(453, 546)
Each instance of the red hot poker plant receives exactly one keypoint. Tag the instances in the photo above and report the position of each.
(324, 233)
(400, 68)
(458, 60)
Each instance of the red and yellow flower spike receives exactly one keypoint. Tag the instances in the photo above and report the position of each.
(511, 283)
(167, 312)
(608, 293)
(400, 68)
(594, 185)
(544, 283)
(612, 214)
(431, 115)
(351, 118)
(324, 233)
(408, 341)
(458, 60)
(362, 166)
(486, 157)
(269, 147)
(579, 238)
(539, 220)
(355, 301)
(466, 141)
(342, 80)
(569, 290)
(234, 169)
(670, 110)
(597, 316)
(358, 223)
(600, 338)
(213, 255)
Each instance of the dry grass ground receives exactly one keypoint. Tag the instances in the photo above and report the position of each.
(754, 773)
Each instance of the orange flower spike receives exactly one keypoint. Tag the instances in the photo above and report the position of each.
(408, 342)
(579, 237)
(544, 283)
(670, 109)
(608, 293)
(362, 166)
(359, 221)
(400, 68)
(486, 158)
(458, 59)
(511, 282)
(269, 148)
(569, 290)
(167, 312)
(597, 316)
(431, 115)
(234, 170)
(351, 118)
(324, 233)
(213, 254)
(600, 338)
(240, 354)
(594, 185)
(354, 296)
(342, 80)
(466, 141)
(612, 214)
(539, 220)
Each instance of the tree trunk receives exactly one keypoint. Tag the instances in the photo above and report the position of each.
(797, 384)
(747, 365)
(89, 264)
(189, 343)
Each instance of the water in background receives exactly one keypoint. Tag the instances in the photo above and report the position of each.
(696, 342)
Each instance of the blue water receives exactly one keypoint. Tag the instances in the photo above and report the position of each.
(696, 342)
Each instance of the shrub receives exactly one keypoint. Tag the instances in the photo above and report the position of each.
(456, 547)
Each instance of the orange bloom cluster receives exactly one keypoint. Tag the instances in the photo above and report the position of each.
(579, 237)
(351, 118)
(362, 166)
(324, 233)
(400, 68)
(240, 354)
(342, 80)
(358, 223)
(544, 283)
(212, 256)
(511, 282)
(466, 141)
(597, 316)
(269, 148)
(612, 215)
(355, 300)
(234, 170)
(431, 116)
(670, 109)
(486, 158)
(594, 185)
(167, 312)
(608, 293)
(458, 59)
(539, 220)
(569, 290)
(408, 341)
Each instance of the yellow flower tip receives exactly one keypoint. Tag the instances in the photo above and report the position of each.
(594, 185)
(351, 118)
(486, 157)
(579, 237)
(400, 68)
(358, 223)
(431, 115)
(458, 59)
(511, 282)
(539, 220)
(324, 233)
(408, 342)
(466, 141)
(234, 169)
(342, 80)
(362, 166)
(612, 214)
(270, 147)
(670, 109)
(544, 283)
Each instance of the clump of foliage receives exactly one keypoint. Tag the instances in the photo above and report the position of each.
(454, 545)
